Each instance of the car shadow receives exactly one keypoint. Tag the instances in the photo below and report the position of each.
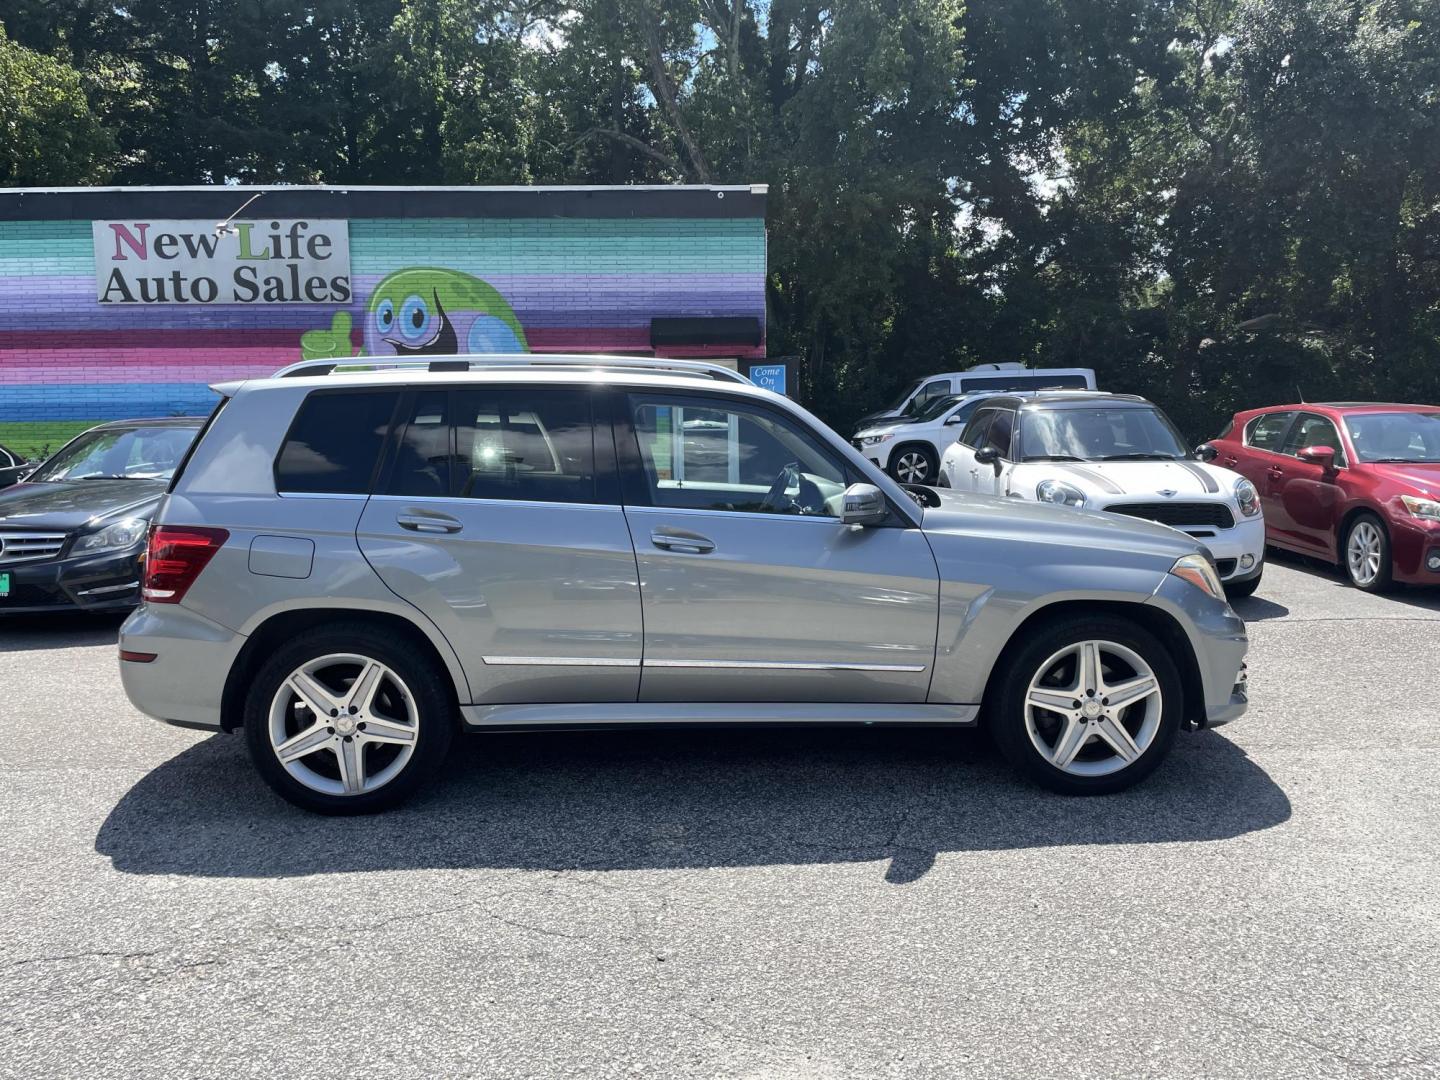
(678, 799)
(1423, 597)
(27, 633)
(1257, 609)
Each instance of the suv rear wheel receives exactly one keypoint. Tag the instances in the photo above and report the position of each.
(1087, 706)
(348, 719)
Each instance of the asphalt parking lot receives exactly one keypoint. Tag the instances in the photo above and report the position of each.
(778, 904)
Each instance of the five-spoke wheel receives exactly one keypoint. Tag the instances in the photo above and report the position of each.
(913, 464)
(1086, 705)
(347, 720)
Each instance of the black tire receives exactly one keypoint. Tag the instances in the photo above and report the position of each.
(1238, 590)
(922, 456)
(1383, 579)
(1006, 712)
(429, 690)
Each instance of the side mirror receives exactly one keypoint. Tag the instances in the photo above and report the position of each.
(951, 421)
(1324, 456)
(1206, 452)
(864, 505)
(988, 455)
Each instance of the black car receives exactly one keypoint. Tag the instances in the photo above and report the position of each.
(72, 534)
(12, 467)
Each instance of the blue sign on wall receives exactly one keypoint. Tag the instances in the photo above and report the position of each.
(768, 376)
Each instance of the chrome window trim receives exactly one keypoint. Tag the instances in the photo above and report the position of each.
(690, 511)
(461, 500)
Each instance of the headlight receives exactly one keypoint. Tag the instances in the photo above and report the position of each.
(122, 534)
(875, 440)
(1057, 491)
(1247, 497)
(1428, 509)
(1196, 569)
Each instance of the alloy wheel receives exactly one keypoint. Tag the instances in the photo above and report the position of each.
(343, 724)
(1093, 708)
(912, 467)
(1363, 553)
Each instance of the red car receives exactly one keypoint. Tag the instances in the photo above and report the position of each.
(1355, 483)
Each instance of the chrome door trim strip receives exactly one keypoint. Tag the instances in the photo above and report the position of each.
(558, 661)
(780, 665)
(713, 665)
(680, 714)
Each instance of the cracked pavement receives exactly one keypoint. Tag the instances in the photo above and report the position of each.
(860, 903)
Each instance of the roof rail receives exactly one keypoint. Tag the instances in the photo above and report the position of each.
(510, 361)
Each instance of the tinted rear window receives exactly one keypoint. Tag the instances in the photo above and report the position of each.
(334, 442)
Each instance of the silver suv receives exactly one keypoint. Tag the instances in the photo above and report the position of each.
(354, 566)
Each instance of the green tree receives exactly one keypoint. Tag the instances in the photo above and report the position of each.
(50, 134)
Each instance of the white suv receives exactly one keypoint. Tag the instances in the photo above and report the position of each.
(1112, 452)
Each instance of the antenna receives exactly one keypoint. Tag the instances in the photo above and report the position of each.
(224, 228)
(1301, 393)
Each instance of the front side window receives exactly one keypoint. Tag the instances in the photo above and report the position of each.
(512, 443)
(146, 453)
(975, 431)
(1395, 436)
(1099, 434)
(1265, 432)
(1311, 430)
(716, 454)
(335, 442)
(936, 407)
(1001, 430)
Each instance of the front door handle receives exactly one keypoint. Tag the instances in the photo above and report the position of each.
(680, 540)
(429, 523)
(1275, 470)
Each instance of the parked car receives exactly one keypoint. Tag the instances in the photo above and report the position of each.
(349, 562)
(1355, 483)
(1117, 453)
(1011, 376)
(909, 449)
(12, 467)
(73, 532)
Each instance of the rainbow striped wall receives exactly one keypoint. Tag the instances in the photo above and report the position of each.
(583, 270)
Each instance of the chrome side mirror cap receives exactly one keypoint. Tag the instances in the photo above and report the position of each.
(864, 505)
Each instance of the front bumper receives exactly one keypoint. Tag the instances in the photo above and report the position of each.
(103, 581)
(1412, 541)
(1219, 643)
(193, 655)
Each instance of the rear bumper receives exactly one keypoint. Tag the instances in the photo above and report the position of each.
(109, 581)
(185, 682)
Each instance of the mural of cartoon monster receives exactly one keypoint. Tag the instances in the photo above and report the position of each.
(425, 311)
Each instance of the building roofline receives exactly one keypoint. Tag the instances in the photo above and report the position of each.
(218, 201)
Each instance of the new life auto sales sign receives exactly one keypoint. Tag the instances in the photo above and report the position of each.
(301, 261)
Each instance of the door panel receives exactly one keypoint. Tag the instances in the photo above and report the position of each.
(752, 588)
(1306, 497)
(540, 601)
(766, 607)
(501, 523)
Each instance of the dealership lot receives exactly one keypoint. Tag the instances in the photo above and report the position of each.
(765, 904)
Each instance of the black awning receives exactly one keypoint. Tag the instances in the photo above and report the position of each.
(706, 330)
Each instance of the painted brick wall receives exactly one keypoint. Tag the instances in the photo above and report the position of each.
(575, 284)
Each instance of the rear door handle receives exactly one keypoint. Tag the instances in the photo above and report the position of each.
(679, 540)
(429, 523)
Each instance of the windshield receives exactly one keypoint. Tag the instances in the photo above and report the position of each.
(1099, 434)
(896, 405)
(936, 408)
(148, 453)
(1397, 436)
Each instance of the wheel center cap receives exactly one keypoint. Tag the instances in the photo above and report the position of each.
(1091, 708)
(345, 725)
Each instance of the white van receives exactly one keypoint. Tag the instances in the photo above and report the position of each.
(1010, 376)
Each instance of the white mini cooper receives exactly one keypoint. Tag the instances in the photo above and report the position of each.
(1111, 452)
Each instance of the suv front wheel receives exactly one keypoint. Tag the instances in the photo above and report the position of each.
(348, 719)
(1087, 706)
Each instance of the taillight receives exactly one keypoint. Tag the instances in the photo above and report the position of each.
(174, 558)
